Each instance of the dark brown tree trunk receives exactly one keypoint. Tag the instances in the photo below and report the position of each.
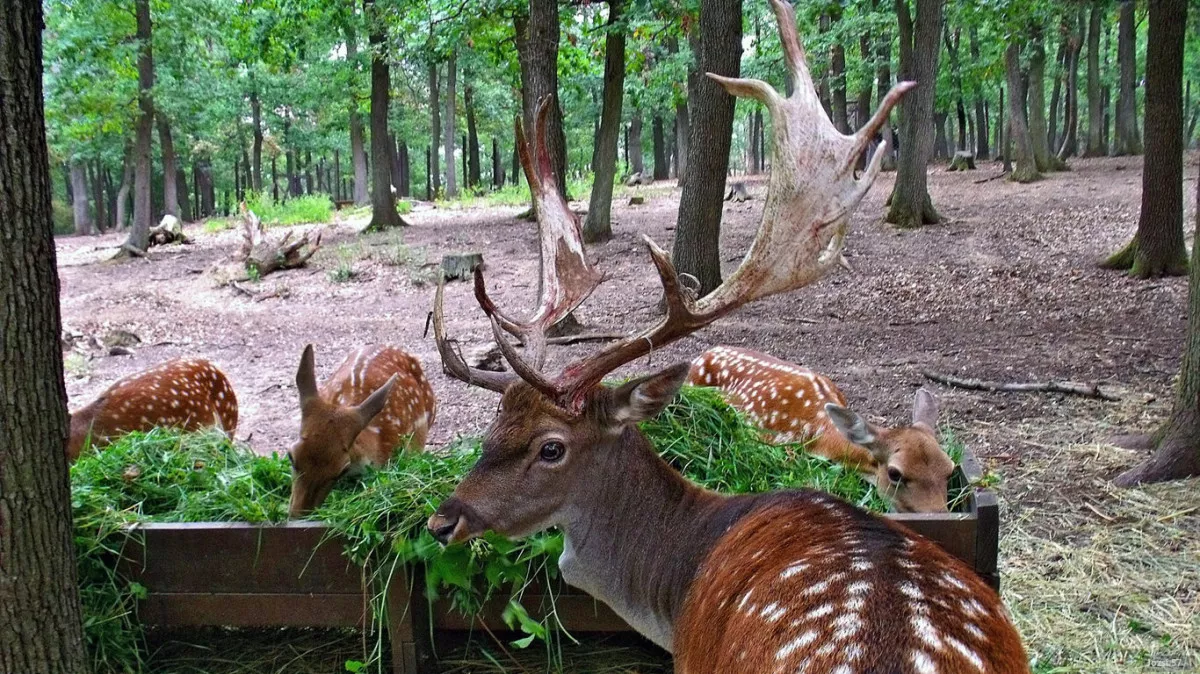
(308, 175)
(752, 164)
(383, 202)
(1070, 145)
(1044, 159)
(170, 188)
(451, 117)
(139, 234)
(79, 199)
(920, 44)
(837, 85)
(883, 80)
(698, 227)
(516, 165)
(122, 208)
(185, 206)
(473, 172)
(637, 162)
(941, 143)
(358, 152)
(337, 176)
(97, 176)
(274, 183)
(1095, 148)
(662, 168)
(1022, 142)
(42, 629)
(537, 50)
(435, 118)
(1128, 139)
(256, 180)
(498, 166)
(1056, 96)
(598, 224)
(1158, 248)
(405, 185)
(208, 193)
(429, 153)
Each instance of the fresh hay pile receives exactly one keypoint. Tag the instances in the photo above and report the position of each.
(164, 476)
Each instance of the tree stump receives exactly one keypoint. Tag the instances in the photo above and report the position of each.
(737, 193)
(260, 255)
(963, 161)
(460, 266)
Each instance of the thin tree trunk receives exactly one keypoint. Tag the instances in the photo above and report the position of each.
(837, 82)
(274, 184)
(358, 152)
(1056, 96)
(1128, 139)
(256, 121)
(698, 226)
(383, 202)
(451, 115)
(473, 172)
(98, 195)
(662, 168)
(883, 80)
(170, 188)
(1095, 112)
(1070, 146)
(1044, 160)
(39, 587)
(498, 166)
(337, 176)
(185, 207)
(308, 175)
(1023, 154)
(139, 234)
(405, 186)
(121, 209)
(435, 118)
(598, 225)
(637, 163)
(79, 199)
(537, 36)
(920, 44)
(1157, 248)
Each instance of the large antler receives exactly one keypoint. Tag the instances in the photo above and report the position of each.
(566, 277)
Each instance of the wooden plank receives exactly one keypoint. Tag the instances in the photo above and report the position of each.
(254, 610)
(577, 613)
(954, 532)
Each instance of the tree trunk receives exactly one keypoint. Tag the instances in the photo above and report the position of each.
(863, 101)
(752, 144)
(498, 166)
(337, 175)
(405, 186)
(662, 167)
(1128, 140)
(139, 234)
(682, 133)
(941, 143)
(598, 225)
(185, 208)
(1044, 160)
(79, 199)
(637, 162)
(883, 79)
(1095, 112)
(39, 590)
(537, 50)
(837, 82)
(1157, 248)
(920, 44)
(451, 115)
(256, 121)
(1056, 96)
(435, 126)
(121, 210)
(98, 194)
(473, 172)
(698, 226)
(1070, 144)
(358, 152)
(383, 202)
(170, 188)
(274, 184)
(1026, 169)
(308, 174)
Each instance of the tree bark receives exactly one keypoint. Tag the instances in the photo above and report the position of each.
(598, 224)
(837, 84)
(1127, 138)
(883, 80)
(97, 179)
(139, 234)
(863, 102)
(170, 187)
(498, 166)
(185, 209)
(920, 43)
(39, 591)
(435, 125)
(1044, 160)
(337, 175)
(405, 186)
(1056, 96)
(698, 227)
(383, 202)
(1157, 248)
(451, 115)
(79, 199)
(473, 173)
(1023, 154)
(1070, 144)
(121, 210)
(637, 162)
(537, 50)
(1095, 146)
(256, 180)
(662, 167)
(358, 152)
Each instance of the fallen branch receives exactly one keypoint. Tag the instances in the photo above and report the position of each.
(260, 255)
(990, 179)
(1068, 387)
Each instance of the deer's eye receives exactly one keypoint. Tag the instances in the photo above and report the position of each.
(895, 475)
(552, 451)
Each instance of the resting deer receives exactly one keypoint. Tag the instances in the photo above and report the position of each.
(792, 581)
(795, 404)
(376, 401)
(188, 393)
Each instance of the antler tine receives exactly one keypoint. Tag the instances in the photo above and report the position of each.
(452, 362)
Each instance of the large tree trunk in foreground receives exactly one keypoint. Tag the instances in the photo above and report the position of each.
(920, 43)
(170, 186)
(1023, 155)
(79, 199)
(139, 234)
(448, 140)
(1127, 140)
(698, 225)
(1095, 144)
(537, 50)
(39, 592)
(358, 153)
(1157, 248)
(1177, 441)
(383, 202)
(1038, 136)
(598, 225)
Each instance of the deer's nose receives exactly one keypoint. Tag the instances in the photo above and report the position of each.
(442, 527)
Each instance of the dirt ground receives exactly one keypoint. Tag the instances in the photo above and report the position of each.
(1005, 289)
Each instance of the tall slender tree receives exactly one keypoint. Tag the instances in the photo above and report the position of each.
(598, 225)
(537, 36)
(1095, 100)
(383, 202)
(450, 134)
(139, 234)
(1127, 140)
(358, 152)
(1026, 169)
(920, 43)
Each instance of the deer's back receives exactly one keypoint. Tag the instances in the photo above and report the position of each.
(810, 584)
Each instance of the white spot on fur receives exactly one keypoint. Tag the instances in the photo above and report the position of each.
(922, 662)
(966, 652)
(795, 644)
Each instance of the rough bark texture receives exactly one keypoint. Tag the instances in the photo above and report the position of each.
(256, 180)
(450, 133)
(1025, 169)
(1157, 248)
(662, 168)
(79, 199)
(637, 163)
(1070, 144)
(920, 44)
(473, 174)
(1177, 441)
(42, 630)
(598, 225)
(139, 234)
(1095, 144)
(170, 186)
(1127, 140)
(1038, 135)
(383, 202)
(698, 228)
(358, 153)
(537, 50)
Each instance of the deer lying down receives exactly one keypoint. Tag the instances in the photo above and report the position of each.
(794, 404)
(788, 582)
(376, 401)
(187, 393)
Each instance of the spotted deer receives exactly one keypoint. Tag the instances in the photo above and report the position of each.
(187, 393)
(794, 581)
(794, 404)
(375, 402)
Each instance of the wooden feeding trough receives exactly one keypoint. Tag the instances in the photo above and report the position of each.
(246, 575)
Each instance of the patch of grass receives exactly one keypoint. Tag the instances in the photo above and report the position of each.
(306, 209)
(215, 225)
(64, 218)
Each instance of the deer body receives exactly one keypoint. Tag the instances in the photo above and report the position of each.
(794, 404)
(187, 393)
(375, 402)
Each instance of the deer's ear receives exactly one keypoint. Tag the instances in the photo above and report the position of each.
(306, 377)
(374, 403)
(644, 398)
(856, 430)
(925, 409)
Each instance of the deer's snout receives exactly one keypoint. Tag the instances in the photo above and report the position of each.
(450, 523)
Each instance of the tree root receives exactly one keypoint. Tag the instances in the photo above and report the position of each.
(1131, 259)
(1068, 387)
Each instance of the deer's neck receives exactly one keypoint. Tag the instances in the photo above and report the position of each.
(637, 533)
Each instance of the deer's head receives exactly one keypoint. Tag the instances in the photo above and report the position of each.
(327, 433)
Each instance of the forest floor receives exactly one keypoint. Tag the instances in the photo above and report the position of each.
(1006, 288)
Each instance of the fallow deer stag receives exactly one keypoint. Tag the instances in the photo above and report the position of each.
(793, 404)
(783, 582)
(188, 393)
(376, 401)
